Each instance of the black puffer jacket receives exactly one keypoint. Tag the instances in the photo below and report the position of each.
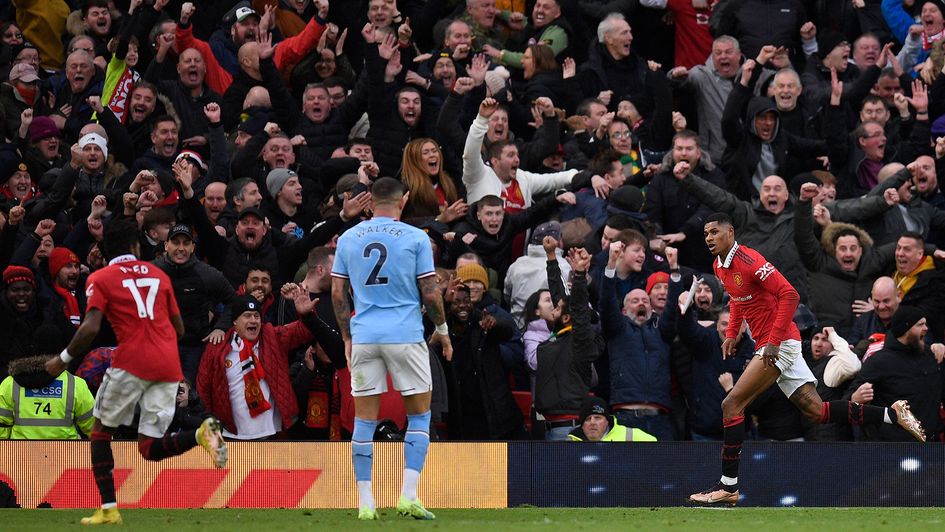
(17, 330)
(198, 288)
(627, 78)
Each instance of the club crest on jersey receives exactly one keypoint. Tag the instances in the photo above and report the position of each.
(765, 270)
(737, 277)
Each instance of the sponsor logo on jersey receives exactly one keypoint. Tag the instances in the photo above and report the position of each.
(765, 270)
(741, 299)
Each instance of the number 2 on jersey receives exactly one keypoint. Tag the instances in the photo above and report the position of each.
(146, 304)
(373, 277)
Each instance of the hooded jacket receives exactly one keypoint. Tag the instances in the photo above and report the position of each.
(832, 289)
(745, 150)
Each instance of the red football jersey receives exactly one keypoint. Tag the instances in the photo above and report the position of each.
(138, 300)
(759, 294)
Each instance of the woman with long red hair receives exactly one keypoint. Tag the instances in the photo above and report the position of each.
(433, 193)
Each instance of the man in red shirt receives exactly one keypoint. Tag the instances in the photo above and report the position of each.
(137, 299)
(761, 296)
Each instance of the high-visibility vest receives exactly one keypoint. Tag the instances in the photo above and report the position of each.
(621, 433)
(48, 413)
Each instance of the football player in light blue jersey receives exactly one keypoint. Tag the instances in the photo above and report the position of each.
(387, 266)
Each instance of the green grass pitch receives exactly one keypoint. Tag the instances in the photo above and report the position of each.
(517, 519)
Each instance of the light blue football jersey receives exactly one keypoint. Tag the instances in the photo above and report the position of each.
(382, 258)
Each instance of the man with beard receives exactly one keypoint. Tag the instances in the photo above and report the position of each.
(71, 92)
(638, 346)
(564, 362)
(20, 315)
(711, 84)
(199, 288)
(911, 212)
(904, 368)
(481, 406)
(677, 214)
(252, 241)
(164, 145)
(226, 44)
(67, 299)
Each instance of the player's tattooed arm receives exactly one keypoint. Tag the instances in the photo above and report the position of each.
(340, 288)
(432, 299)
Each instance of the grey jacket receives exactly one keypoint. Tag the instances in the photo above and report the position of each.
(711, 91)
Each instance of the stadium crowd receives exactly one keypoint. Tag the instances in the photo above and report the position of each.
(243, 138)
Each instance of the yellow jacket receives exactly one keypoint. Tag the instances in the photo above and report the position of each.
(617, 433)
(51, 411)
(43, 23)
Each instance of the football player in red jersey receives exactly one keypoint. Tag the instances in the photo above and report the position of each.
(761, 296)
(137, 299)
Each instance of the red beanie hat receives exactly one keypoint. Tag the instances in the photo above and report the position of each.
(18, 273)
(58, 259)
(653, 279)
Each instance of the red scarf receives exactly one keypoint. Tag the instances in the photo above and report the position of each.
(71, 306)
(255, 401)
(929, 40)
(8, 194)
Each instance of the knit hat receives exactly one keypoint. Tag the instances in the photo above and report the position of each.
(59, 257)
(43, 127)
(473, 272)
(627, 198)
(827, 40)
(98, 140)
(244, 303)
(194, 158)
(496, 79)
(595, 405)
(18, 273)
(10, 163)
(552, 229)
(656, 278)
(804, 318)
(904, 319)
(277, 179)
(937, 3)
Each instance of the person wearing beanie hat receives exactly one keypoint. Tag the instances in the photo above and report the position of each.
(284, 211)
(657, 287)
(475, 278)
(64, 271)
(597, 423)
(17, 274)
(94, 139)
(906, 375)
(15, 181)
(20, 314)
(916, 48)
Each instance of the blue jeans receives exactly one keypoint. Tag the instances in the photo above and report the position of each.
(558, 433)
(658, 426)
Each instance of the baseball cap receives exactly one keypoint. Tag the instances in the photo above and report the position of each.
(244, 12)
(552, 229)
(23, 72)
(244, 303)
(180, 229)
(250, 211)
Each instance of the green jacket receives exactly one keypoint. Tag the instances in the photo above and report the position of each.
(36, 406)
(617, 433)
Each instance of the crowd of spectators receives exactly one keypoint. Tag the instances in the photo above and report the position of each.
(243, 137)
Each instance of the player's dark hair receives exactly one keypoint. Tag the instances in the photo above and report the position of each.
(490, 201)
(913, 235)
(720, 218)
(120, 237)
(387, 190)
(846, 231)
